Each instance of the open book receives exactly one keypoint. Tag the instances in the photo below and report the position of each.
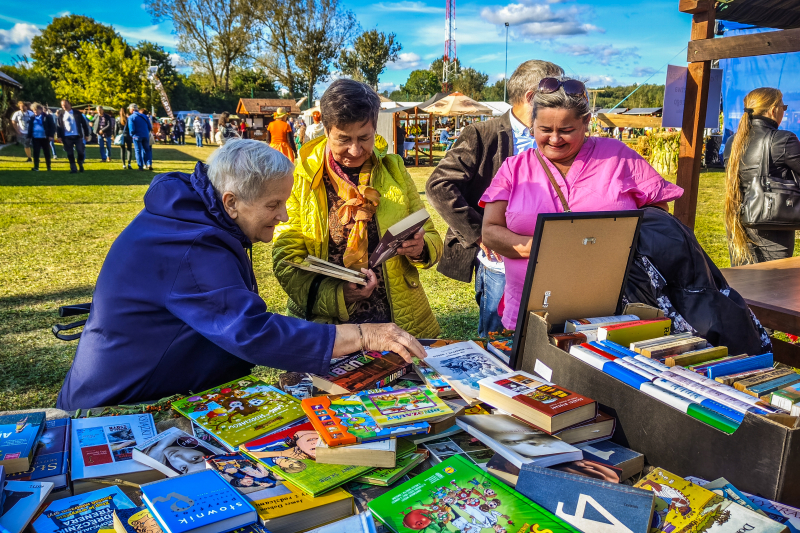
(320, 266)
(396, 235)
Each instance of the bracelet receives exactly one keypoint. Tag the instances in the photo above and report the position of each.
(361, 334)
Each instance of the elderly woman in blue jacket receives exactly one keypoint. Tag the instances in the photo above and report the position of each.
(176, 305)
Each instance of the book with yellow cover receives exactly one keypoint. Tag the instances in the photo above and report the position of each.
(298, 511)
(680, 504)
(629, 332)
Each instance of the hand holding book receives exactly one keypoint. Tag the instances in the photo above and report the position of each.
(414, 247)
(354, 292)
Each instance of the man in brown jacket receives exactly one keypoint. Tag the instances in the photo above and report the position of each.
(457, 184)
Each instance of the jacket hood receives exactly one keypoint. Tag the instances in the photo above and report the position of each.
(190, 198)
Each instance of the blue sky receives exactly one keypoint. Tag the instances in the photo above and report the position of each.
(604, 41)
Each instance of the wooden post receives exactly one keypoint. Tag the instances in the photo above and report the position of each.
(416, 137)
(694, 115)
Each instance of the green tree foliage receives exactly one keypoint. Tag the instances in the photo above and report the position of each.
(167, 73)
(108, 75)
(646, 96)
(36, 85)
(494, 93)
(63, 38)
(367, 61)
(470, 82)
(245, 80)
(437, 67)
(421, 82)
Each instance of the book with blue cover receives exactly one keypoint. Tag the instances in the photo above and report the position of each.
(51, 458)
(19, 435)
(612, 454)
(202, 502)
(741, 365)
(86, 513)
(19, 502)
(591, 505)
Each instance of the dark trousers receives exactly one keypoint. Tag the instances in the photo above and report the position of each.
(180, 137)
(74, 144)
(41, 144)
(769, 245)
(126, 150)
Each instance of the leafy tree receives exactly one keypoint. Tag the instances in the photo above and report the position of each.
(494, 93)
(167, 73)
(645, 96)
(63, 38)
(36, 85)
(108, 75)
(470, 82)
(245, 80)
(421, 82)
(367, 61)
(278, 18)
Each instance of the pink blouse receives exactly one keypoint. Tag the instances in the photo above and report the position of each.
(605, 176)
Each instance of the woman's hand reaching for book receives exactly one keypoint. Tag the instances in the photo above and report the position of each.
(376, 337)
(353, 292)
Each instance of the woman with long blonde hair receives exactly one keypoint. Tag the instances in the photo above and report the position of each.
(763, 112)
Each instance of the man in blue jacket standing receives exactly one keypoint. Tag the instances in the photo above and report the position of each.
(140, 128)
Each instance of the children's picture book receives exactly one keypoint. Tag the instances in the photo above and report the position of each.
(463, 365)
(291, 453)
(723, 488)
(361, 371)
(342, 420)
(679, 503)
(19, 435)
(457, 496)
(19, 502)
(404, 406)
(501, 344)
(135, 520)
(240, 410)
(518, 442)
(174, 452)
(51, 457)
(396, 235)
(85, 513)
(460, 443)
(298, 511)
(183, 504)
(591, 505)
(248, 476)
(433, 380)
(610, 453)
(103, 447)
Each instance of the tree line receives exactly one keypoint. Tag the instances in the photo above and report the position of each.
(429, 81)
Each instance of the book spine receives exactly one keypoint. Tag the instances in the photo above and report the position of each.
(628, 333)
(582, 324)
(731, 379)
(700, 399)
(608, 367)
(618, 348)
(692, 409)
(599, 351)
(697, 356)
(656, 365)
(702, 368)
(728, 391)
(634, 368)
(771, 386)
(644, 366)
(749, 363)
(713, 394)
(762, 378)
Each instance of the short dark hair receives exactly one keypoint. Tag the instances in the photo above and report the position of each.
(66, 100)
(349, 102)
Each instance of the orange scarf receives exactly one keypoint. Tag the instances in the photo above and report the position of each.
(360, 204)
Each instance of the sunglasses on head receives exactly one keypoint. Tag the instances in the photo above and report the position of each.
(571, 87)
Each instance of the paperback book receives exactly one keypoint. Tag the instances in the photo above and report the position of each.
(86, 513)
(298, 511)
(174, 453)
(433, 380)
(404, 406)
(19, 435)
(240, 410)
(679, 503)
(247, 475)
(326, 268)
(358, 372)
(374, 454)
(20, 501)
(463, 365)
(51, 457)
(599, 428)
(396, 235)
(135, 520)
(360, 523)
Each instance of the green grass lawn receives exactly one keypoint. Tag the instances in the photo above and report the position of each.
(56, 228)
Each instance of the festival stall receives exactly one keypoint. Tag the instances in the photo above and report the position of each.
(258, 112)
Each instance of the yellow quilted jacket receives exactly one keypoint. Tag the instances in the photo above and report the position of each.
(306, 233)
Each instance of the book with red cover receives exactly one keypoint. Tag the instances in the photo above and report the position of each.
(538, 402)
(357, 372)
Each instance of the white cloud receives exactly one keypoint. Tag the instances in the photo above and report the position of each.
(641, 72)
(494, 78)
(486, 58)
(407, 7)
(17, 39)
(155, 33)
(603, 54)
(406, 60)
(600, 81)
(537, 20)
(388, 86)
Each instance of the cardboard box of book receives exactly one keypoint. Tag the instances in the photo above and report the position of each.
(762, 456)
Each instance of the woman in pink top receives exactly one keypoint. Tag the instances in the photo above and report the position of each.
(593, 173)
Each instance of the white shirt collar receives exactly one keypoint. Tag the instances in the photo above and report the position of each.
(518, 127)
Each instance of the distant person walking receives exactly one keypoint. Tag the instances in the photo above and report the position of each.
(279, 134)
(52, 141)
(42, 130)
(300, 135)
(126, 146)
(206, 131)
(21, 120)
(225, 129)
(197, 127)
(179, 132)
(316, 129)
(103, 127)
(73, 130)
(140, 127)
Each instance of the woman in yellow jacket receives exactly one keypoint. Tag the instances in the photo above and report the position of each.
(346, 194)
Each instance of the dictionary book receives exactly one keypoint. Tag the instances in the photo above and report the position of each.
(358, 372)
(85, 513)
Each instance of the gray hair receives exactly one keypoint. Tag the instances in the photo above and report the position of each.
(245, 166)
(134, 107)
(527, 77)
(579, 104)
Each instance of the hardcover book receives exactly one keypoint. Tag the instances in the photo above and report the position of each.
(197, 502)
(506, 470)
(396, 235)
(610, 453)
(404, 406)
(696, 345)
(51, 457)
(326, 268)
(86, 513)
(358, 372)
(240, 410)
(599, 428)
(19, 502)
(697, 356)
(787, 399)
(290, 453)
(763, 389)
(517, 441)
(543, 404)
(174, 452)
(463, 365)
(342, 420)
(679, 503)
(743, 384)
(591, 505)
(298, 511)
(501, 344)
(102, 447)
(19, 435)
(631, 332)
(456, 495)
(135, 520)
(247, 475)
(374, 454)
(582, 324)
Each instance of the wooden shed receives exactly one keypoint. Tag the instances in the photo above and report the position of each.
(258, 112)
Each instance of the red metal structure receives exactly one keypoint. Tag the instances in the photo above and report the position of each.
(449, 64)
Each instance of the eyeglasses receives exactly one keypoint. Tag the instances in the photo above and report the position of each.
(571, 87)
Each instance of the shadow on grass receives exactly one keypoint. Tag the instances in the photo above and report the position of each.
(39, 312)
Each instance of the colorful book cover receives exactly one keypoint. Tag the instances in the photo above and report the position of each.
(679, 503)
(371, 370)
(343, 420)
(19, 435)
(536, 393)
(463, 365)
(431, 377)
(240, 410)
(135, 520)
(20, 501)
(403, 406)
(103, 446)
(723, 488)
(174, 452)
(591, 505)
(630, 332)
(730, 517)
(291, 453)
(182, 504)
(501, 344)
(248, 476)
(86, 513)
(460, 443)
(457, 496)
(51, 458)
(786, 397)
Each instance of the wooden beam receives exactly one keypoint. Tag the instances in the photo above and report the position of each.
(694, 118)
(694, 6)
(755, 44)
(629, 121)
